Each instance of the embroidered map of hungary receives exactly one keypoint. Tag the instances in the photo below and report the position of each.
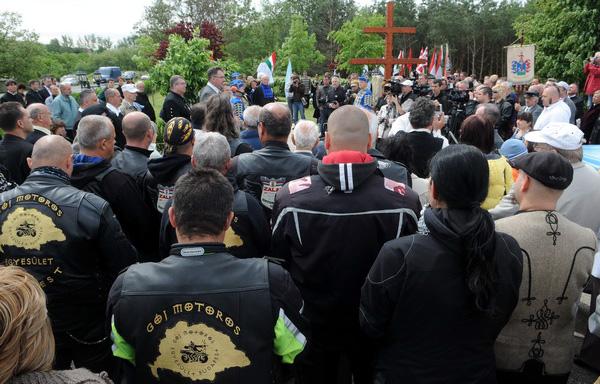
(197, 352)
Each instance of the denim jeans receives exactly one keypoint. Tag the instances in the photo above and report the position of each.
(297, 106)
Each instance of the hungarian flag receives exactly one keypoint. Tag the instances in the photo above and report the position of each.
(422, 68)
(267, 67)
(448, 66)
(439, 73)
(399, 68)
(410, 67)
(433, 64)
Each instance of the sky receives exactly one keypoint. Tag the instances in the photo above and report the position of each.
(107, 18)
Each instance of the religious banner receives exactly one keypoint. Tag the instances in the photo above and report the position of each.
(520, 60)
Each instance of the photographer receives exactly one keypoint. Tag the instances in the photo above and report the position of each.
(389, 111)
(459, 106)
(351, 92)
(297, 90)
(592, 82)
(422, 87)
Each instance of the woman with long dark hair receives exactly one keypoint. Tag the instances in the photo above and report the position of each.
(219, 118)
(434, 303)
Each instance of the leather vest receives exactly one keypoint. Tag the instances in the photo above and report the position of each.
(51, 229)
(262, 173)
(200, 314)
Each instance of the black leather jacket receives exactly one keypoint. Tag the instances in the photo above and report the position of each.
(132, 161)
(202, 314)
(262, 173)
(70, 241)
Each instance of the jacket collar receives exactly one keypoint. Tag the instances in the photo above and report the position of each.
(277, 144)
(145, 152)
(196, 249)
(50, 173)
(346, 176)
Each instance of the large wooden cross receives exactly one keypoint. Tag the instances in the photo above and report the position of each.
(389, 60)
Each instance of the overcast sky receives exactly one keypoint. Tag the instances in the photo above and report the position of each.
(108, 18)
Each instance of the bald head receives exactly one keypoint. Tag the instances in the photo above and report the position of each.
(52, 151)
(347, 130)
(137, 128)
(275, 122)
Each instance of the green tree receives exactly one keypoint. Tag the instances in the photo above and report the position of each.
(157, 17)
(144, 57)
(353, 42)
(565, 32)
(19, 49)
(190, 59)
(299, 47)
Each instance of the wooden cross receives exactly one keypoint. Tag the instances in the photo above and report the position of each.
(389, 60)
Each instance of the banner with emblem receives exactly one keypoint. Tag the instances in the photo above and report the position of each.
(520, 63)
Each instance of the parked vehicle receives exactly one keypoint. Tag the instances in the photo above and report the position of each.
(69, 79)
(129, 75)
(109, 73)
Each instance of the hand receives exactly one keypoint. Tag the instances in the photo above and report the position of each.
(517, 107)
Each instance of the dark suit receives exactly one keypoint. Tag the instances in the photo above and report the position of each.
(14, 152)
(578, 101)
(44, 93)
(174, 106)
(143, 100)
(33, 97)
(10, 97)
(35, 136)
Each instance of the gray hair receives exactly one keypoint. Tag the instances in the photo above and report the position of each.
(86, 95)
(251, 115)
(572, 156)
(92, 129)
(110, 92)
(62, 86)
(491, 112)
(211, 150)
(174, 79)
(421, 114)
(306, 134)
(35, 110)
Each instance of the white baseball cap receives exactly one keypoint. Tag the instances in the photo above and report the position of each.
(558, 135)
(408, 83)
(129, 88)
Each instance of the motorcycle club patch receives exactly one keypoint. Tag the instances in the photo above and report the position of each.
(394, 186)
(29, 229)
(299, 184)
(270, 187)
(197, 352)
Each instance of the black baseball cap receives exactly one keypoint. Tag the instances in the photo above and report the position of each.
(532, 93)
(549, 168)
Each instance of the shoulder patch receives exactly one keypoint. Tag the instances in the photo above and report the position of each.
(299, 184)
(394, 186)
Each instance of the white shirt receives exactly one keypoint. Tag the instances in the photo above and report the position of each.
(113, 109)
(558, 112)
(42, 129)
(403, 124)
(213, 87)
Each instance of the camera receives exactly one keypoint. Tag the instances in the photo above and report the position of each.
(422, 90)
(394, 87)
(457, 96)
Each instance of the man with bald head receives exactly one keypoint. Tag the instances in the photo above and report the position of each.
(139, 133)
(328, 229)
(262, 173)
(70, 241)
(555, 110)
(41, 118)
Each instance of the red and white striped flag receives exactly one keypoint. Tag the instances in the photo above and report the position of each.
(433, 64)
(424, 55)
(439, 73)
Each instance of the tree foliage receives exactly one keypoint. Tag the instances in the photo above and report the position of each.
(299, 47)
(190, 59)
(353, 42)
(206, 30)
(565, 32)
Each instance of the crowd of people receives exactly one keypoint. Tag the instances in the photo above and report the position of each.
(442, 232)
